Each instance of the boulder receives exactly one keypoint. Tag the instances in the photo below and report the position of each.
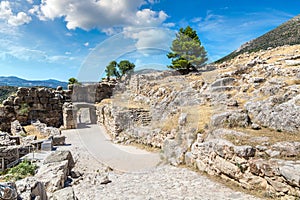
(59, 156)
(288, 149)
(31, 188)
(58, 140)
(227, 167)
(65, 193)
(53, 175)
(231, 119)
(291, 172)
(244, 151)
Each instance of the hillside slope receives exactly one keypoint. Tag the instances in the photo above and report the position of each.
(18, 82)
(286, 34)
(6, 91)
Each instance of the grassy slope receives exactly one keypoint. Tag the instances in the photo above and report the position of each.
(286, 34)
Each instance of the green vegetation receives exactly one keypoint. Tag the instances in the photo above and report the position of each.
(111, 70)
(125, 66)
(286, 34)
(187, 53)
(6, 91)
(20, 171)
(117, 70)
(24, 110)
(73, 81)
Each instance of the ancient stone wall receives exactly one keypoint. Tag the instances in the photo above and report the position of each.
(29, 104)
(92, 93)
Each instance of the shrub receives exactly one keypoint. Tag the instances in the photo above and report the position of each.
(21, 171)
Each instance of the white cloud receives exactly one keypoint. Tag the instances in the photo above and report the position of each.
(20, 19)
(7, 15)
(30, 1)
(86, 44)
(104, 14)
(5, 10)
(154, 38)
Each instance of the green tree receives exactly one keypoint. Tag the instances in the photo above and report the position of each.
(73, 81)
(125, 66)
(187, 53)
(111, 70)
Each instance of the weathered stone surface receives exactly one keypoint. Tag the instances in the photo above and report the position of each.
(31, 188)
(244, 151)
(58, 140)
(288, 149)
(182, 119)
(223, 82)
(53, 175)
(231, 119)
(65, 193)
(59, 156)
(227, 167)
(8, 191)
(281, 116)
(16, 128)
(255, 126)
(261, 167)
(291, 172)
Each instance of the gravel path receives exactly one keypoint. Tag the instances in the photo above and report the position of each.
(163, 182)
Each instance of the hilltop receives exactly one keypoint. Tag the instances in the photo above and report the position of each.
(286, 34)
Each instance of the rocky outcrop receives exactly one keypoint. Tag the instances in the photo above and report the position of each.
(240, 164)
(277, 114)
(50, 180)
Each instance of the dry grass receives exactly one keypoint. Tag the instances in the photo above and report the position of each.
(104, 102)
(31, 130)
(170, 123)
(292, 82)
(129, 104)
(273, 135)
(198, 116)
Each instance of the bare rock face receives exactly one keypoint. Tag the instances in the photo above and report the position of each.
(279, 115)
(174, 149)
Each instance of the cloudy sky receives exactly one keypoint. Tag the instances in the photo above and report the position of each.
(43, 39)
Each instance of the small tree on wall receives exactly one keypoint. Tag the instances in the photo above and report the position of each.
(111, 70)
(72, 81)
(187, 53)
(118, 70)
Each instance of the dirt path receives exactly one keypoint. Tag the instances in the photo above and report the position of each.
(119, 157)
(162, 182)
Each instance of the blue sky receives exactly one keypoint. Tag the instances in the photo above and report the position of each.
(73, 38)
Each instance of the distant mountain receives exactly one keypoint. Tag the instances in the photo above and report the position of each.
(18, 82)
(286, 34)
